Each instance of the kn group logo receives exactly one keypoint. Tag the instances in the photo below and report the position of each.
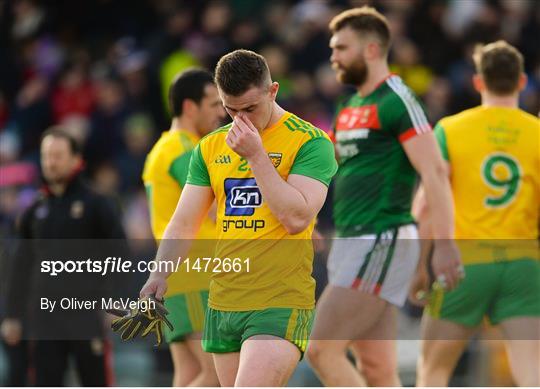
(243, 196)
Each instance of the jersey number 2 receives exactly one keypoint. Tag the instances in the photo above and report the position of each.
(501, 172)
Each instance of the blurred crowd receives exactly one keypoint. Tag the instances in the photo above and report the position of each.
(101, 69)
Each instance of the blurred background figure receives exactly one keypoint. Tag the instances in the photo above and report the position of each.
(67, 209)
(196, 110)
(497, 211)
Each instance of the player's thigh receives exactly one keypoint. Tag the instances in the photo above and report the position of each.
(346, 314)
(227, 367)
(378, 349)
(205, 360)
(186, 366)
(523, 345)
(266, 361)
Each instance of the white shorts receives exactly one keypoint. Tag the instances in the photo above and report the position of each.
(379, 264)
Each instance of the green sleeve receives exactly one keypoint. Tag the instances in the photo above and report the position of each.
(316, 159)
(404, 114)
(180, 167)
(198, 173)
(441, 138)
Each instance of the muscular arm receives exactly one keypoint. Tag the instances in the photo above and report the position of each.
(192, 208)
(426, 158)
(424, 154)
(294, 202)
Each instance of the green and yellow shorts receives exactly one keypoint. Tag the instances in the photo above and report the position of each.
(224, 331)
(186, 313)
(500, 291)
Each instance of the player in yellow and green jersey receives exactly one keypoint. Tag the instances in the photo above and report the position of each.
(493, 154)
(196, 109)
(268, 172)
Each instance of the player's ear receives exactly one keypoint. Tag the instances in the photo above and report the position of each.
(189, 107)
(522, 82)
(478, 83)
(372, 50)
(274, 88)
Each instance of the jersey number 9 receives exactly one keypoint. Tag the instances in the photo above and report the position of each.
(502, 173)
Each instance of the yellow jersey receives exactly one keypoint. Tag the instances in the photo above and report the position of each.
(279, 270)
(164, 175)
(494, 157)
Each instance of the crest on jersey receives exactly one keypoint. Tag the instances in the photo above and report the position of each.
(275, 158)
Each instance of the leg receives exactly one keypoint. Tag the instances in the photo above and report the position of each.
(93, 361)
(187, 316)
(50, 362)
(442, 344)
(518, 311)
(523, 347)
(18, 363)
(342, 315)
(207, 373)
(375, 356)
(227, 367)
(366, 275)
(266, 361)
(186, 367)
(328, 358)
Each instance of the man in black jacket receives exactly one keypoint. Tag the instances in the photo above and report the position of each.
(63, 224)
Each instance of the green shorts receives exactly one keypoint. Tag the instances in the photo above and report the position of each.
(186, 313)
(224, 332)
(500, 291)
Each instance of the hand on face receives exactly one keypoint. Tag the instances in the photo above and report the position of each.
(243, 138)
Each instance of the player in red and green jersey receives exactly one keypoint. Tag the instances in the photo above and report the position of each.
(269, 172)
(493, 157)
(383, 140)
(196, 109)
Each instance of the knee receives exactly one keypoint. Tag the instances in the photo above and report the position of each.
(317, 352)
(182, 377)
(209, 379)
(209, 376)
(178, 381)
(314, 353)
(432, 373)
(380, 373)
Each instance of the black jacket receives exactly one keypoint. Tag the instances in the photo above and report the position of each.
(76, 226)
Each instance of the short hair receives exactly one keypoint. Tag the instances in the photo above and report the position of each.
(500, 65)
(364, 20)
(188, 84)
(62, 133)
(239, 70)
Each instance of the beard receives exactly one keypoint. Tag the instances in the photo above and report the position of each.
(356, 74)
